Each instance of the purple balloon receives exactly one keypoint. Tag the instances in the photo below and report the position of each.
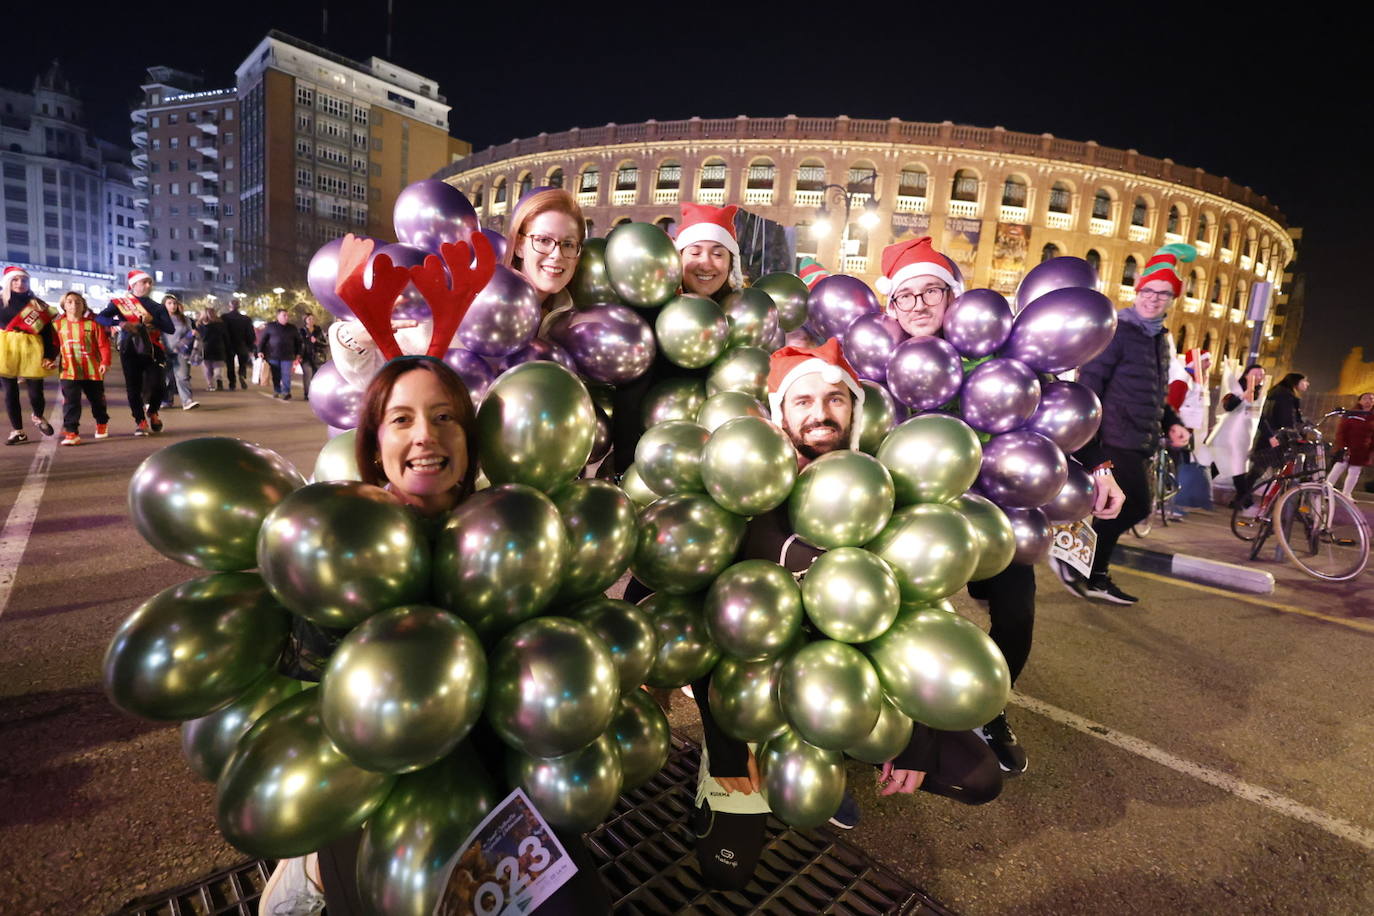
(1074, 500)
(868, 343)
(323, 274)
(503, 317)
(1068, 415)
(978, 322)
(498, 243)
(431, 212)
(409, 303)
(539, 348)
(1032, 532)
(836, 301)
(924, 372)
(999, 395)
(611, 343)
(1062, 330)
(1056, 273)
(1022, 470)
(473, 370)
(335, 401)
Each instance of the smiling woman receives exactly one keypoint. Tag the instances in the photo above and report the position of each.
(546, 235)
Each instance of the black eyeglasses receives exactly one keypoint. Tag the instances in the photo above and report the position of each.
(545, 244)
(906, 301)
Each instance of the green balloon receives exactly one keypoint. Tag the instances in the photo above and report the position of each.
(499, 559)
(668, 457)
(851, 595)
(403, 688)
(672, 399)
(194, 648)
(727, 405)
(842, 499)
(635, 488)
(411, 842)
(691, 331)
(202, 501)
(743, 369)
(685, 541)
(932, 549)
(941, 670)
(684, 650)
(574, 792)
(752, 317)
(287, 791)
(554, 686)
(337, 460)
(995, 536)
(933, 458)
(602, 524)
(642, 736)
(643, 264)
(744, 698)
(208, 741)
(789, 295)
(748, 466)
(337, 553)
(591, 285)
(803, 784)
(877, 418)
(536, 426)
(889, 737)
(753, 609)
(627, 631)
(830, 694)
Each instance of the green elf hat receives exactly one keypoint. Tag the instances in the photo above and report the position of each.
(1164, 266)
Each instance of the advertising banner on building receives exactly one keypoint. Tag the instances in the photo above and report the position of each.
(1009, 255)
(909, 226)
(961, 243)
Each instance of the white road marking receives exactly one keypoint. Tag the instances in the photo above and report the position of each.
(1361, 836)
(14, 538)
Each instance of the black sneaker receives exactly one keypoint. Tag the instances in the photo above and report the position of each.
(1069, 577)
(998, 736)
(847, 817)
(17, 437)
(1104, 588)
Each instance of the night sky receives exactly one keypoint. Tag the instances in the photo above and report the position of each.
(1278, 104)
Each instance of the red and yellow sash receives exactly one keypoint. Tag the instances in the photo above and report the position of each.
(32, 318)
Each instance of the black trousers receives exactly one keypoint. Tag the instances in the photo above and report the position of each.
(72, 390)
(146, 385)
(1011, 605)
(308, 370)
(1131, 470)
(244, 357)
(37, 401)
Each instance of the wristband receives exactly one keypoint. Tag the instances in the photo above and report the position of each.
(1103, 470)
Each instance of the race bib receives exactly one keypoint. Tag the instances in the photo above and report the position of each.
(1075, 544)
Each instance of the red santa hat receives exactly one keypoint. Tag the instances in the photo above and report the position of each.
(791, 363)
(917, 258)
(12, 271)
(137, 274)
(701, 223)
(1196, 356)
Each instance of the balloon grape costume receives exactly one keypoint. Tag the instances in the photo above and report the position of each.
(498, 620)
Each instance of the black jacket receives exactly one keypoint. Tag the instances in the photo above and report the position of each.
(239, 328)
(314, 346)
(1131, 377)
(214, 340)
(279, 341)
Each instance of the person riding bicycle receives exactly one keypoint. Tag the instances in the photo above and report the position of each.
(1282, 412)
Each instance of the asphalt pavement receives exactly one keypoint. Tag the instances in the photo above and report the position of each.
(1201, 752)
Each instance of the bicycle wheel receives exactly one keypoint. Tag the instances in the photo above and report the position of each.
(1245, 522)
(1322, 531)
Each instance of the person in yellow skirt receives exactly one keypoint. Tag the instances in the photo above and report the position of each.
(28, 351)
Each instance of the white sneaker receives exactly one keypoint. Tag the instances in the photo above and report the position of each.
(294, 888)
(190, 405)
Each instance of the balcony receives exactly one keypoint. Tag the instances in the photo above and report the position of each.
(209, 243)
(497, 208)
(713, 196)
(211, 220)
(909, 203)
(139, 159)
(1125, 292)
(1138, 233)
(209, 196)
(140, 223)
(1247, 262)
(208, 127)
(1104, 227)
(1010, 214)
(665, 196)
(758, 196)
(209, 152)
(807, 198)
(626, 197)
(208, 174)
(965, 209)
(1227, 256)
(139, 136)
(855, 264)
(141, 203)
(139, 115)
(1172, 238)
(1237, 316)
(1056, 220)
(585, 199)
(1204, 249)
(143, 244)
(141, 181)
(1215, 310)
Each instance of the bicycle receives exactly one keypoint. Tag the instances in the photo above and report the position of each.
(1319, 528)
(1163, 479)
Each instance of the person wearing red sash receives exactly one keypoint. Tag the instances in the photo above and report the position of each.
(142, 322)
(84, 346)
(28, 351)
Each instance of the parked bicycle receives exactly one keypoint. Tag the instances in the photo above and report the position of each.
(1163, 478)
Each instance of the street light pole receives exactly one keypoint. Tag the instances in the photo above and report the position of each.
(870, 215)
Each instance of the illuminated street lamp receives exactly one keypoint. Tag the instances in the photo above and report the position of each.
(867, 219)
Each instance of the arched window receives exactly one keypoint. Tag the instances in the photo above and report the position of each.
(862, 178)
(1128, 271)
(1181, 339)
(1264, 252)
(627, 177)
(622, 221)
(1191, 289)
(1140, 212)
(1093, 258)
(526, 183)
(1216, 290)
(965, 186)
(1207, 345)
(1238, 297)
(1061, 198)
(555, 179)
(669, 176)
(666, 223)
(1014, 191)
(1102, 204)
(811, 175)
(1051, 250)
(761, 174)
(912, 181)
(1204, 226)
(712, 175)
(477, 194)
(498, 193)
(589, 181)
(1172, 226)
(591, 228)
(1226, 239)
(1251, 243)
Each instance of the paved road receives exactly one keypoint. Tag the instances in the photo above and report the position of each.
(1198, 753)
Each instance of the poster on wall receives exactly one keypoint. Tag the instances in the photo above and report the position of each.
(961, 243)
(1009, 255)
(909, 226)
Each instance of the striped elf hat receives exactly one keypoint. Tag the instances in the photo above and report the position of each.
(1164, 266)
(812, 272)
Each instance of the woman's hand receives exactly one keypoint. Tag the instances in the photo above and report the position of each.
(49, 364)
(892, 780)
(746, 785)
(1108, 497)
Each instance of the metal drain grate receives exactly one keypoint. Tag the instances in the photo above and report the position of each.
(645, 855)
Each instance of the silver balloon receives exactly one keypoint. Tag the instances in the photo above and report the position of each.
(932, 549)
(684, 543)
(748, 466)
(536, 426)
(999, 395)
(1069, 415)
(726, 405)
(672, 399)
(643, 265)
(208, 741)
(925, 373)
(499, 559)
(503, 317)
(642, 736)
(753, 319)
(668, 456)
(830, 694)
(685, 650)
(574, 791)
(337, 553)
(802, 783)
(336, 461)
(603, 529)
(691, 331)
(1022, 470)
(627, 631)
(851, 595)
(554, 687)
(1032, 532)
(878, 417)
(842, 499)
(978, 323)
(1062, 329)
(743, 697)
(889, 737)
(637, 489)
(753, 609)
(742, 369)
(996, 539)
(932, 458)
(1074, 500)
(789, 295)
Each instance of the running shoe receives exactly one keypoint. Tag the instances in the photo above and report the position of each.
(190, 405)
(847, 817)
(43, 425)
(155, 421)
(998, 736)
(1068, 577)
(70, 439)
(17, 437)
(142, 428)
(102, 430)
(1103, 588)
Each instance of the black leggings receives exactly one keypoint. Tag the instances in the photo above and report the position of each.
(1011, 604)
(145, 384)
(1130, 468)
(37, 402)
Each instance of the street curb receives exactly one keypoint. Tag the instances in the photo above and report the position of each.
(1184, 566)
